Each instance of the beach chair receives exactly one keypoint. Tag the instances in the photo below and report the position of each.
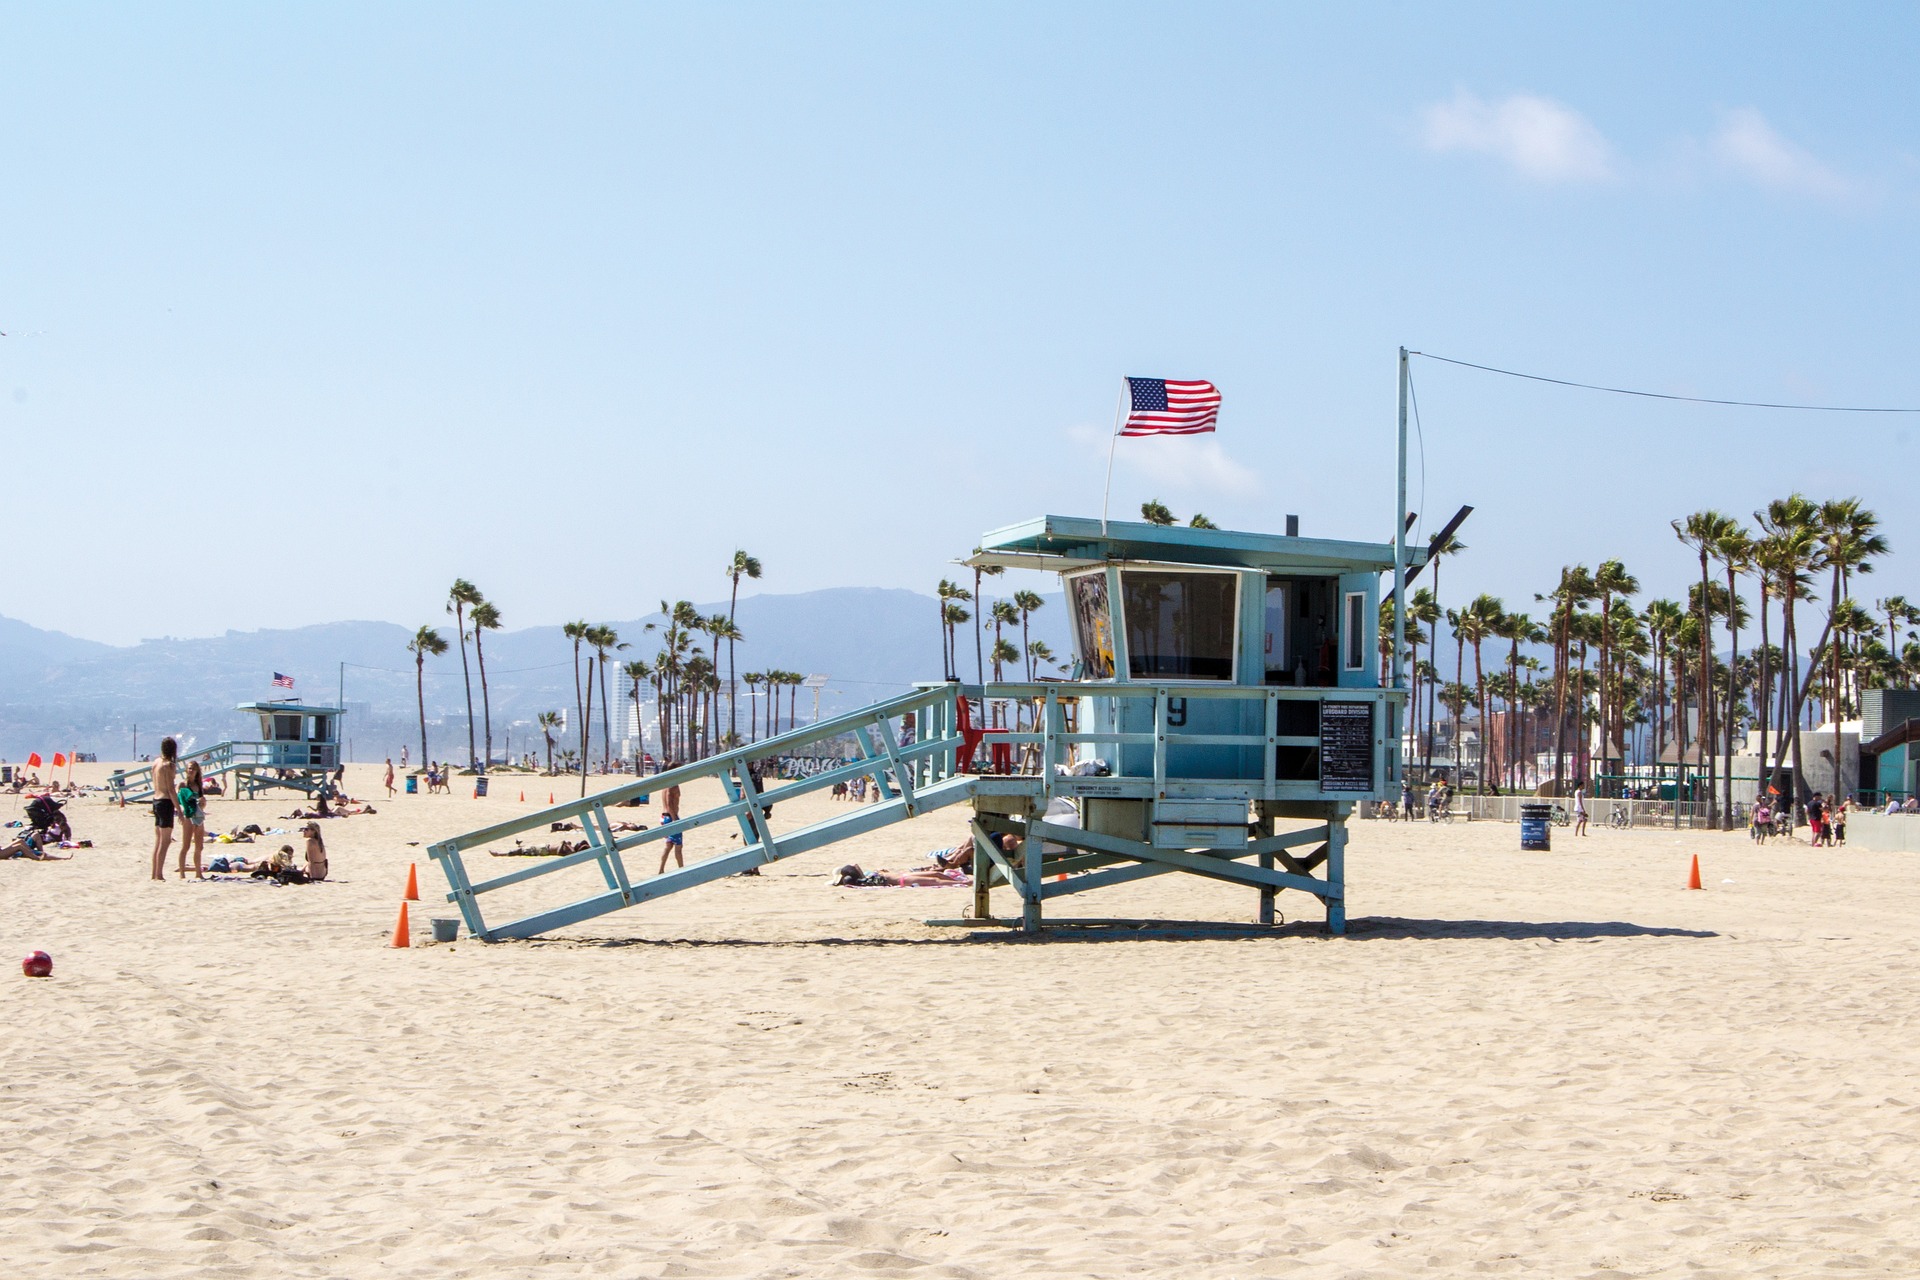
(972, 735)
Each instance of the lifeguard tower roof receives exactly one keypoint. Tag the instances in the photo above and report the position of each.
(1064, 543)
(288, 708)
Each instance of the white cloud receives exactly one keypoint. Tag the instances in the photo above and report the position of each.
(1190, 466)
(1541, 139)
(1749, 146)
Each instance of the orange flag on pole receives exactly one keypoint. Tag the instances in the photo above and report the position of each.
(33, 760)
(59, 761)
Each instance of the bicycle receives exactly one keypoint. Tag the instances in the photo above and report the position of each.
(1618, 819)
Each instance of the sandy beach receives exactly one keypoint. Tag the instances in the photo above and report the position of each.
(1553, 1064)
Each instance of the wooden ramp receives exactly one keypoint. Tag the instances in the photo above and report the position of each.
(914, 777)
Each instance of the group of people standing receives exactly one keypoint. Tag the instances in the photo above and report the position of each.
(178, 796)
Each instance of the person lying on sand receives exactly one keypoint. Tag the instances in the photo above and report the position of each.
(542, 850)
(852, 877)
(31, 844)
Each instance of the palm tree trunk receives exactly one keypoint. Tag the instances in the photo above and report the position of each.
(1733, 685)
(733, 672)
(585, 720)
(1708, 739)
(420, 691)
(486, 703)
(460, 628)
(1763, 694)
(606, 719)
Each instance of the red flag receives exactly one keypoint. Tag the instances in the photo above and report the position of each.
(59, 761)
(33, 760)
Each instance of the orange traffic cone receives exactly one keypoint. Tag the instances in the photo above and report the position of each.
(413, 883)
(401, 936)
(1693, 877)
(523, 797)
(549, 797)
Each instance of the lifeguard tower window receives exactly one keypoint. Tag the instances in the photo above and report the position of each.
(286, 728)
(1355, 658)
(1092, 623)
(1180, 626)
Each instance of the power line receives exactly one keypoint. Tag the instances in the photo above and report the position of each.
(1656, 395)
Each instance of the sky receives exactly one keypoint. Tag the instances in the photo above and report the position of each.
(311, 309)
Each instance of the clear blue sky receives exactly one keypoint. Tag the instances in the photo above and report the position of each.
(311, 309)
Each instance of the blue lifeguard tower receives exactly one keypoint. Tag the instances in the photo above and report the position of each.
(1226, 683)
(298, 746)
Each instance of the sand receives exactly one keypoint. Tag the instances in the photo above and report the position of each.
(1553, 1064)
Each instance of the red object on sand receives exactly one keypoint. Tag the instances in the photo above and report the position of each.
(38, 964)
(1693, 877)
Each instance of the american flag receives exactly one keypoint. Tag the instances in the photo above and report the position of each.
(282, 682)
(1163, 407)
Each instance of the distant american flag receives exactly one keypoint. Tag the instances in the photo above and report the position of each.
(1163, 407)
(282, 682)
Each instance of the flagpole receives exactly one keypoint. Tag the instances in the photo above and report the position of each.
(1113, 442)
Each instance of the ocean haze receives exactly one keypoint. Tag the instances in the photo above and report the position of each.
(63, 692)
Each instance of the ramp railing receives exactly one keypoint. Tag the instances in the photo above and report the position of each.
(914, 768)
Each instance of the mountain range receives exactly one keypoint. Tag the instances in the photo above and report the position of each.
(60, 692)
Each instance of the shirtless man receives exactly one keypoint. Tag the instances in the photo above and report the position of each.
(389, 777)
(163, 788)
(669, 812)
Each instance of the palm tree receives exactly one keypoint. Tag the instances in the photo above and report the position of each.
(1477, 622)
(1424, 610)
(460, 597)
(956, 615)
(741, 566)
(1703, 531)
(1154, 511)
(636, 671)
(1734, 550)
(1610, 580)
(577, 632)
(1790, 526)
(606, 642)
(1575, 589)
(1039, 654)
(1848, 539)
(485, 617)
(1662, 619)
(1199, 521)
(1028, 603)
(1897, 612)
(549, 722)
(951, 595)
(1438, 551)
(721, 627)
(426, 642)
(979, 619)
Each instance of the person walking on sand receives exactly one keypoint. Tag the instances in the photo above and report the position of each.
(163, 784)
(389, 777)
(193, 820)
(670, 812)
(1580, 810)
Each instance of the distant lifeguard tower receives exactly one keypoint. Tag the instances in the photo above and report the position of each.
(298, 746)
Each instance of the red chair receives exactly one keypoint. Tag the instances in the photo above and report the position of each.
(972, 735)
